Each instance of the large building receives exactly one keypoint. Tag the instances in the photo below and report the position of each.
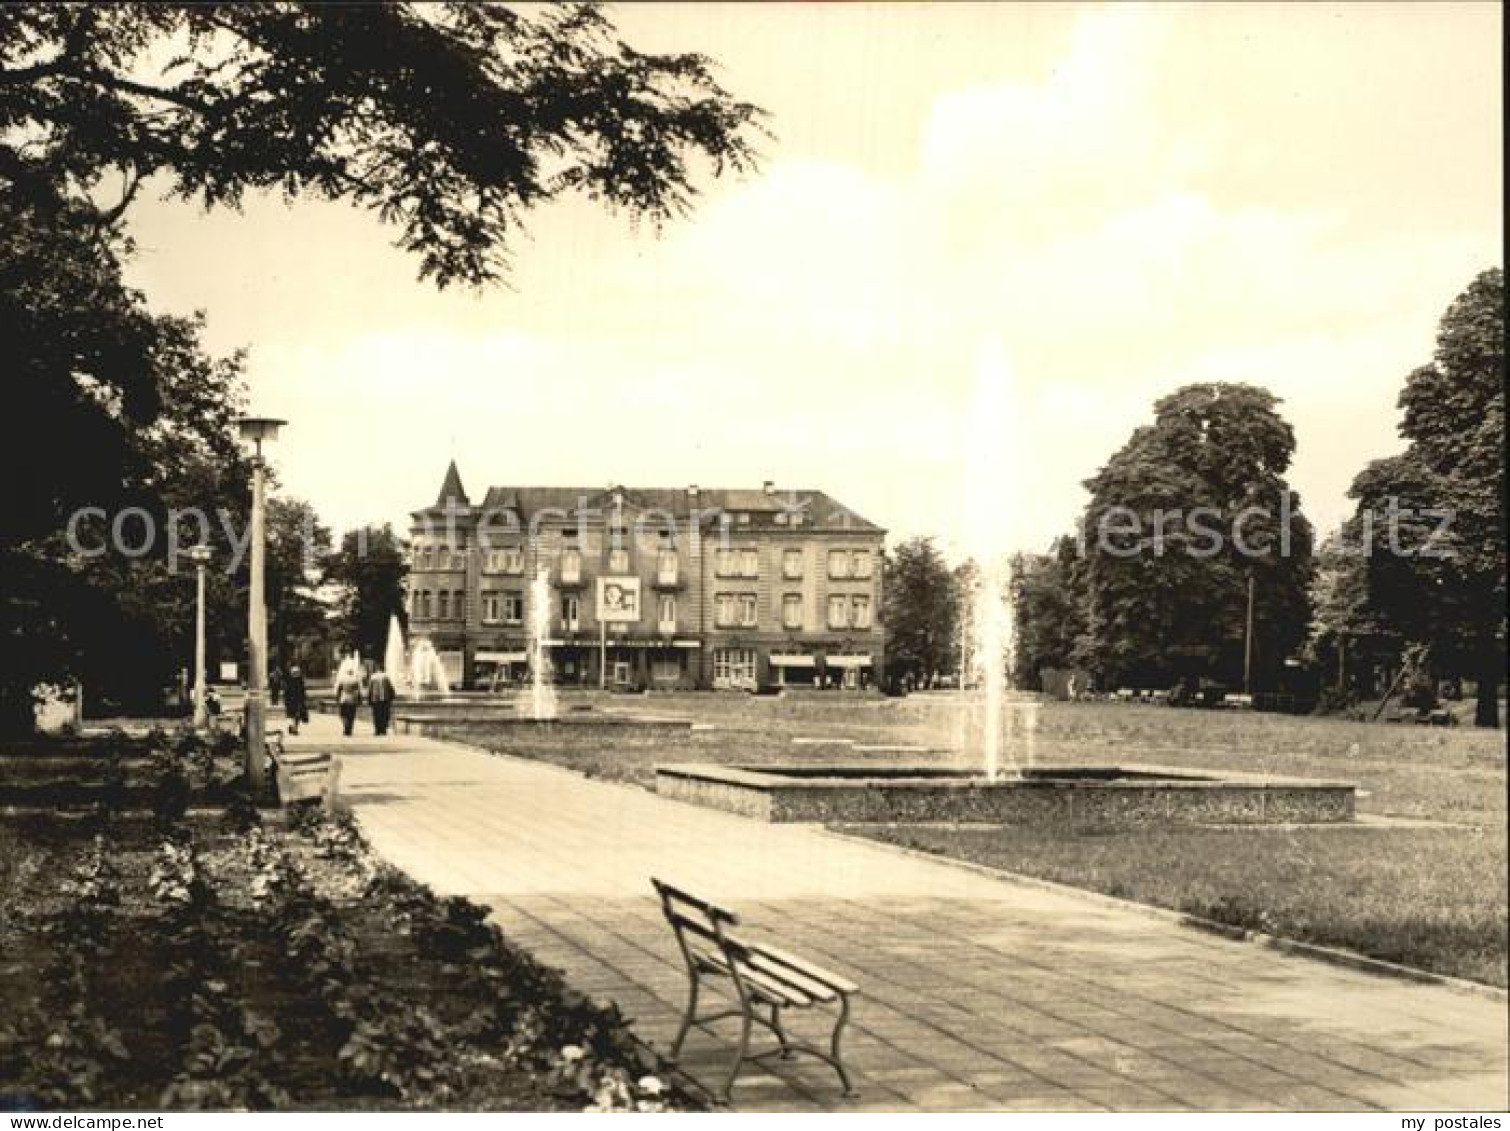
(659, 588)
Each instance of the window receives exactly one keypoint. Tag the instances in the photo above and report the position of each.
(443, 612)
(791, 611)
(513, 607)
(490, 614)
(424, 604)
(861, 565)
(733, 667)
(571, 566)
(747, 610)
(838, 612)
(427, 557)
(838, 563)
(665, 567)
(618, 561)
(723, 610)
(791, 563)
(860, 612)
(459, 605)
(666, 615)
(738, 563)
(571, 613)
(510, 559)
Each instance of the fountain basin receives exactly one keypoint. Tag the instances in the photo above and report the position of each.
(1132, 796)
(458, 725)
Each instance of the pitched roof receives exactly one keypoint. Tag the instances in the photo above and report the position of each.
(819, 510)
(452, 489)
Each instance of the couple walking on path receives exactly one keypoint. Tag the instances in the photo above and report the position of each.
(353, 686)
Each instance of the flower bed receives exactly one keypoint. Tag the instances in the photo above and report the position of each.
(198, 962)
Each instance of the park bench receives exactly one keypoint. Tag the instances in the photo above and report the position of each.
(308, 776)
(765, 980)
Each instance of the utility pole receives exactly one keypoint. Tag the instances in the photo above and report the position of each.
(1248, 642)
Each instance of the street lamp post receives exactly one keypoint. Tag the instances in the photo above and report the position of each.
(256, 429)
(200, 556)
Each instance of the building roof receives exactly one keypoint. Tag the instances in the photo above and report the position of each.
(819, 510)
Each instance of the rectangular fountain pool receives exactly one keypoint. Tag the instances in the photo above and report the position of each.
(1077, 796)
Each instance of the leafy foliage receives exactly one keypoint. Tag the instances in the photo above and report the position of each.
(1446, 587)
(1166, 599)
(449, 121)
(370, 569)
(921, 613)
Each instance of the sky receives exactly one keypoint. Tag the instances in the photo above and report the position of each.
(1059, 211)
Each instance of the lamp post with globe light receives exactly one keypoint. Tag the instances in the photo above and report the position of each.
(254, 430)
(200, 556)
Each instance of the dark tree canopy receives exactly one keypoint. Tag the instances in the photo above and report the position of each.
(922, 611)
(370, 567)
(1166, 597)
(447, 120)
(1435, 584)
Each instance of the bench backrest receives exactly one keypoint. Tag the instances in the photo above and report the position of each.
(702, 934)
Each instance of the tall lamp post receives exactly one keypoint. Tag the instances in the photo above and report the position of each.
(200, 556)
(256, 429)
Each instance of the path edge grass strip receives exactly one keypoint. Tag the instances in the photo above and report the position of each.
(1334, 956)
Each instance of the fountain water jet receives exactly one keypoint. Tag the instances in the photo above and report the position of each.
(994, 477)
(395, 657)
(426, 672)
(542, 700)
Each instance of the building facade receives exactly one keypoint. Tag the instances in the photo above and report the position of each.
(658, 589)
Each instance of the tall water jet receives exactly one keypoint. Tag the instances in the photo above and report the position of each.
(994, 464)
(426, 672)
(395, 660)
(542, 701)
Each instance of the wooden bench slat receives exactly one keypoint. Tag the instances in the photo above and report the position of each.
(813, 988)
(712, 910)
(827, 977)
(763, 985)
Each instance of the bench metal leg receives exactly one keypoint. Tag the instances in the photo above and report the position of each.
(786, 1046)
(687, 1018)
(838, 1062)
(727, 1091)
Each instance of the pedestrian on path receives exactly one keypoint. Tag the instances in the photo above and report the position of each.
(380, 693)
(295, 699)
(348, 696)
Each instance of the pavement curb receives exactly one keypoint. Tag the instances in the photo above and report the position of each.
(1333, 956)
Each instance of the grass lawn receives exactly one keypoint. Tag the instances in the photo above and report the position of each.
(1433, 897)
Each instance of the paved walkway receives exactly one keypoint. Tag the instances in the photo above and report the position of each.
(978, 993)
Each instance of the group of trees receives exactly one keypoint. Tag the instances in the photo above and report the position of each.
(448, 122)
(1193, 561)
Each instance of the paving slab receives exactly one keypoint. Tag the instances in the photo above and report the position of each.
(978, 992)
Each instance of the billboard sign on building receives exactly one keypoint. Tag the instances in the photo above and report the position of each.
(618, 599)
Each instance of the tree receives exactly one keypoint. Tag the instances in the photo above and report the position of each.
(1046, 610)
(140, 419)
(297, 547)
(922, 611)
(370, 568)
(1181, 518)
(449, 121)
(1435, 513)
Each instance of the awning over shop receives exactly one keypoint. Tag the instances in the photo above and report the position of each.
(847, 661)
(791, 660)
(623, 642)
(502, 657)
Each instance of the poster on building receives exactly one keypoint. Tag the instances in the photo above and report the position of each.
(618, 599)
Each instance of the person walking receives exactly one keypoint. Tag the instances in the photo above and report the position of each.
(380, 693)
(348, 695)
(295, 699)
